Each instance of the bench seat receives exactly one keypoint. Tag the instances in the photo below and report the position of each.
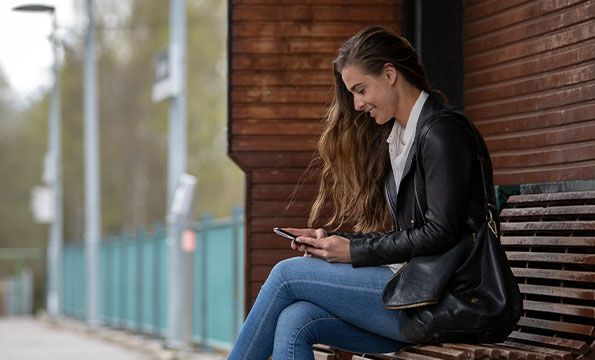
(550, 243)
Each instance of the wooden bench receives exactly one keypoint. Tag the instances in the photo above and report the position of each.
(550, 243)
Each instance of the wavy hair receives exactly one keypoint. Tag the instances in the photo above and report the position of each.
(352, 147)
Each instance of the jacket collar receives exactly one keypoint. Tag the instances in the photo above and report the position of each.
(433, 104)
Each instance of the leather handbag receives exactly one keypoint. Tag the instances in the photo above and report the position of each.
(474, 296)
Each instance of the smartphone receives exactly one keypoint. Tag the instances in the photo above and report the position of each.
(285, 234)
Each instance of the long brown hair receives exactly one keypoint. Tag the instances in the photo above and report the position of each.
(353, 148)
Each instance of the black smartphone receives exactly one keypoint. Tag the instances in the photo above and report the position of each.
(285, 234)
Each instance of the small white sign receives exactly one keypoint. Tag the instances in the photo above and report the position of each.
(42, 204)
(166, 76)
(182, 203)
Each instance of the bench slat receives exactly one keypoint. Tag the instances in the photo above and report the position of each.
(558, 325)
(573, 293)
(558, 354)
(529, 199)
(516, 353)
(572, 210)
(579, 346)
(439, 352)
(564, 258)
(405, 355)
(548, 226)
(557, 241)
(470, 350)
(585, 276)
(565, 309)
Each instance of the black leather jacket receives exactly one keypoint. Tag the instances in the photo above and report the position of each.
(442, 172)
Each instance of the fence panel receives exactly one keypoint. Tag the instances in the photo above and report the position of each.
(133, 281)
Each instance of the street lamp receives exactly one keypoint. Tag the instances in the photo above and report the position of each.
(54, 178)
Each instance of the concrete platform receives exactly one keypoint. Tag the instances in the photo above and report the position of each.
(26, 338)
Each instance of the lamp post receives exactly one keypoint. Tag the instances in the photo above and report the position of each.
(54, 178)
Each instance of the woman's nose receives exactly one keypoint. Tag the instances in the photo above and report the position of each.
(358, 103)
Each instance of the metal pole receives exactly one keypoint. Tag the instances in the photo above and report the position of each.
(92, 180)
(176, 167)
(54, 295)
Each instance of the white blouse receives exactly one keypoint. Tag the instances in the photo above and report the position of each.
(399, 144)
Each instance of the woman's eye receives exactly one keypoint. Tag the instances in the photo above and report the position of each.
(361, 91)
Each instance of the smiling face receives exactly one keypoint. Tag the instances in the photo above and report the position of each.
(374, 94)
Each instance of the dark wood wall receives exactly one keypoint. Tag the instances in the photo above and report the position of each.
(529, 85)
(280, 82)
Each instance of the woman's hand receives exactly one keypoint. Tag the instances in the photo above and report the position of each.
(317, 243)
(305, 232)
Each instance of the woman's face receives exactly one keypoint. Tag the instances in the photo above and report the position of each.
(373, 94)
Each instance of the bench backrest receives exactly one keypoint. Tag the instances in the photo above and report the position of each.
(550, 243)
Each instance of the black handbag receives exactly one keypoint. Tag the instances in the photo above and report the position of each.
(474, 296)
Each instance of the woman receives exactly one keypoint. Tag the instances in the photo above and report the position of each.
(373, 159)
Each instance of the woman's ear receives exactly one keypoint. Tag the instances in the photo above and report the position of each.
(390, 73)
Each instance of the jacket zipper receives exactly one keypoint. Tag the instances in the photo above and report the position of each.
(390, 207)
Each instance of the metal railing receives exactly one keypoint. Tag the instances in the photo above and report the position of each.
(133, 281)
(16, 294)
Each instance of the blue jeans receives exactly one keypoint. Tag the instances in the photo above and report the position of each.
(306, 301)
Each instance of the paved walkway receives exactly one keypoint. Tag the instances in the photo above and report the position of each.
(25, 338)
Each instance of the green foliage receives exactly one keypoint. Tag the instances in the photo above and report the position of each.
(133, 129)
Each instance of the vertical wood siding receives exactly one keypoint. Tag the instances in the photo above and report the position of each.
(280, 84)
(529, 85)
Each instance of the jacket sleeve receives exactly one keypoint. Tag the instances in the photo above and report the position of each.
(446, 156)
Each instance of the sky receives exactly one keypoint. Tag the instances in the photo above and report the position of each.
(25, 50)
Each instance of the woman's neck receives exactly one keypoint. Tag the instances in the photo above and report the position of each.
(405, 102)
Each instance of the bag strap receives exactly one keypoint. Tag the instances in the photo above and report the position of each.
(480, 146)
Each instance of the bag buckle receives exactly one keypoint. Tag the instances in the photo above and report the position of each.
(492, 223)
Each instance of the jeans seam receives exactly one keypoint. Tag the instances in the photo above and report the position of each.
(303, 327)
(350, 287)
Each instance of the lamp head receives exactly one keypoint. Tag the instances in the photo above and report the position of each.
(35, 8)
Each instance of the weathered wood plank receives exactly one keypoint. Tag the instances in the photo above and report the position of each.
(565, 258)
(543, 22)
(528, 104)
(548, 226)
(554, 155)
(571, 328)
(554, 241)
(564, 292)
(576, 310)
(566, 76)
(256, 161)
(574, 345)
(439, 352)
(558, 354)
(316, 13)
(582, 276)
(572, 210)
(273, 95)
(535, 138)
(542, 174)
(276, 127)
(532, 199)
(558, 39)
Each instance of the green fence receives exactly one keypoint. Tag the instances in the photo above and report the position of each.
(133, 281)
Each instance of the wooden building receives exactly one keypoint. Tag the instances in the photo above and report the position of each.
(524, 72)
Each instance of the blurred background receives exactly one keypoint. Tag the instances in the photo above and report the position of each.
(133, 130)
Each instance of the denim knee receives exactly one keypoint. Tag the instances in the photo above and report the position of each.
(284, 269)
